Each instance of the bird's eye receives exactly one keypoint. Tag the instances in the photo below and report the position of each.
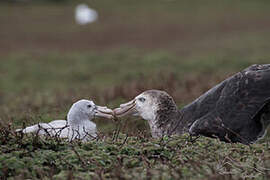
(89, 105)
(141, 99)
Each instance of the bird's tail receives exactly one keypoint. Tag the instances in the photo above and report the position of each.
(30, 129)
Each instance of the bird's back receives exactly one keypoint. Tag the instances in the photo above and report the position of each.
(233, 109)
(54, 128)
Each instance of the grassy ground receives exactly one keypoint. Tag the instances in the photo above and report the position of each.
(126, 157)
(183, 47)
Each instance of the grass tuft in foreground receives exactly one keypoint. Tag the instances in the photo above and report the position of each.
(124, 157)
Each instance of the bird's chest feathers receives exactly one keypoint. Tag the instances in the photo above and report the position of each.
(85, 125)
(155, 131)
(82, 129)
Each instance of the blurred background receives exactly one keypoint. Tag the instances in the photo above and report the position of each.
(49, 58)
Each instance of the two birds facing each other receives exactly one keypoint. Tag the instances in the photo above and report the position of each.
(235, 110)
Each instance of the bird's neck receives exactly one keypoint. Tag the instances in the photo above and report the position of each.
(156, 131)
(173, 122)
(181, 124)
(81, 125)
(165, 123)
(186, 117)
(76, 118)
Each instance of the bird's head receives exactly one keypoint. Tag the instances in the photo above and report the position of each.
(152, 105)
(86, 108)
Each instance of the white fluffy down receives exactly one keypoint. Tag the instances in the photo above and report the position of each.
(77, 126)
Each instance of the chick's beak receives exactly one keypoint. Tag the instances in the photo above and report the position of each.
(103, 111)
(126, 109)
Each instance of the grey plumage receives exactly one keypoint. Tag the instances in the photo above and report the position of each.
(235, 110)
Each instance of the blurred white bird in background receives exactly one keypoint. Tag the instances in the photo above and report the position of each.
(85, 15)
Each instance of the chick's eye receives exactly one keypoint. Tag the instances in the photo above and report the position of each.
(89, 106)
(141, 99)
